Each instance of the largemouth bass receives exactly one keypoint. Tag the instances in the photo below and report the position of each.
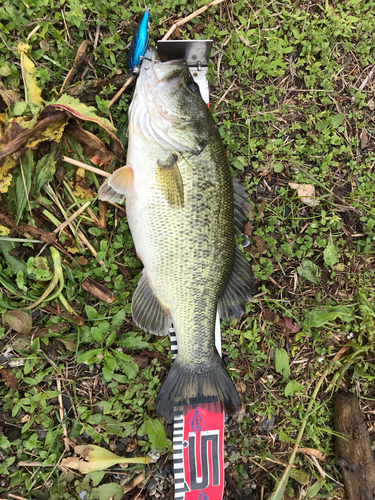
(183, 211)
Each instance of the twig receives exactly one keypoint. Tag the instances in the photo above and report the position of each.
(190, 17)
(128, 82)
(97, 34)
(86, 167)
(16, 497)
(225, 94)
(72, 217)
(364, 83)
(33, 31)
(282, 484)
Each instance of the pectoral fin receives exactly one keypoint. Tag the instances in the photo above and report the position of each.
(170, 181)
(117, 187)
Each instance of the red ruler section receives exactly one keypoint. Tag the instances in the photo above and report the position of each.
(198, 443)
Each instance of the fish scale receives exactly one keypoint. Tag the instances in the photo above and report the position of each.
(183, 217)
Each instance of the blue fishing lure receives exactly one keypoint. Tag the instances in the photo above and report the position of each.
(139, 44)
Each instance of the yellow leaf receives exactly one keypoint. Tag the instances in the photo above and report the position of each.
(97, 459)
(4, 231)
(73, 250)
(32, 91)
(5, 175)
(52, 133)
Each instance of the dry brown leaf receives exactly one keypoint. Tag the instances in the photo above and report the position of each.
(364, 139)
(260, 243)
(98, 290)
(306, 192)
(261, 209)
(248, 229)
(10, 379)
(315, 453)
(269, 316)
(7, 95)
(80, 56)
(92, 146)
(70, 345)
(294, 327)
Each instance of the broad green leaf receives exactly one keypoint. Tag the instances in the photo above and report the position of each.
(91, 312)
(95, 231)
(14, 264)
(88, 355)
(126, 364)
(292, 387)
(300, 476)
(16, 192)
(314, 490)
(118, 319)
(32, 91)
(106, 491)
(278, 167)
(95, 477)
(97, 334)
(134, 343)
(330, 254)
(309, 271)
(282, 363)
(44, 172)
(321, 315)
(337, 120)
(156, 433)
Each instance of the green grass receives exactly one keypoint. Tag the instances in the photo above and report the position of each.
(288, 96)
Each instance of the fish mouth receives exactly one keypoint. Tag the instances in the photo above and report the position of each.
(162, 71)
(157, 76)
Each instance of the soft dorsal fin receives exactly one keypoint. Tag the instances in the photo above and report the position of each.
(117, 186)
(240, 287)
(239, 290)
(148, 313)
(241, 206)
(169, 179)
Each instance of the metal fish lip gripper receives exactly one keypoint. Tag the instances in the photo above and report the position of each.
(196, 53)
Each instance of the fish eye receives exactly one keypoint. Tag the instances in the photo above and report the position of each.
(193, 86)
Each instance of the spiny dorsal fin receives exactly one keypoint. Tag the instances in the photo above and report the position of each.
(147, 311)
(117, 186)
(239, 290)
(169, 179)
(241, 206)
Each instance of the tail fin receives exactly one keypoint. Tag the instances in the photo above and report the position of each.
(186, 383)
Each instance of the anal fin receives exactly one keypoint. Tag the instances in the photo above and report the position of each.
(117, 186)
(239, 289)
(169, 179)
(148, 313)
